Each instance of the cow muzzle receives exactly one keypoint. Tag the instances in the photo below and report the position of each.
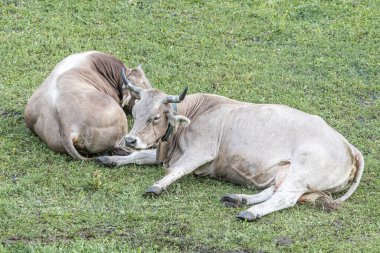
(134, 142)
(130, 141)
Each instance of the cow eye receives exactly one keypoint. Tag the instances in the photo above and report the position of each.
(156, 119)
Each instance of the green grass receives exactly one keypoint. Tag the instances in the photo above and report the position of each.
(321, 57)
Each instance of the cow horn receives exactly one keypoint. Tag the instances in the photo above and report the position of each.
(176, 99)
(128, 85)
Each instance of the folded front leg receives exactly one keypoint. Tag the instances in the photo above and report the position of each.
(137, 157)
(184, 166)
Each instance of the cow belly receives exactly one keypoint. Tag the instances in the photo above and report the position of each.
(239, 170)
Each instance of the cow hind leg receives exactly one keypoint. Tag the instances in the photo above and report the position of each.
(285, 198)
(279, 200)
(288, 188)
(236, 200)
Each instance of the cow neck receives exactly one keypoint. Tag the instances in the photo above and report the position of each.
(169, 131)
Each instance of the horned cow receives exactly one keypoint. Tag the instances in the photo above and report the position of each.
(289, 154)
(79, 105)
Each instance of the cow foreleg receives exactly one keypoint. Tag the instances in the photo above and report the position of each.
(181, 168)
(236, 200)
(137, 157)
(173, 175)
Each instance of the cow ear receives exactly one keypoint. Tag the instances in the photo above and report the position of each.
(126, 99)
(178, 120)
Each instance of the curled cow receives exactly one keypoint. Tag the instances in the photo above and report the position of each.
(290, 155)
(78, 108)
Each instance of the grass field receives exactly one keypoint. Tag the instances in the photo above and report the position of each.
(321, 57)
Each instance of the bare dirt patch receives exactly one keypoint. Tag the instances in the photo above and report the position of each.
(10, 113)
(283, 241)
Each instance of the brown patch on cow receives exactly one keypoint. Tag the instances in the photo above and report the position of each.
(355, 165)
(110, 69)
(75, 141)
(309, 197)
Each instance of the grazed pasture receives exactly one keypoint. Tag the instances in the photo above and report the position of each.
(321, 57)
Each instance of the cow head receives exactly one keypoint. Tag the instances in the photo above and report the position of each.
(152, 115)
(136, 76)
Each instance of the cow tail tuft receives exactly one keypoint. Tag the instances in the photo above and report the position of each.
(328, 203)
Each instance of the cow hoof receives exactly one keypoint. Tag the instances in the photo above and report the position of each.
(232, 200)
(104, 160)
(246, 216)
(153, 191)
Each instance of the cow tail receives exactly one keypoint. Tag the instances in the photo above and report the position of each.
(358, 174)
(328, 203)
(67, 141)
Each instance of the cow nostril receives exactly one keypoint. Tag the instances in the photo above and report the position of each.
(130, 141)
